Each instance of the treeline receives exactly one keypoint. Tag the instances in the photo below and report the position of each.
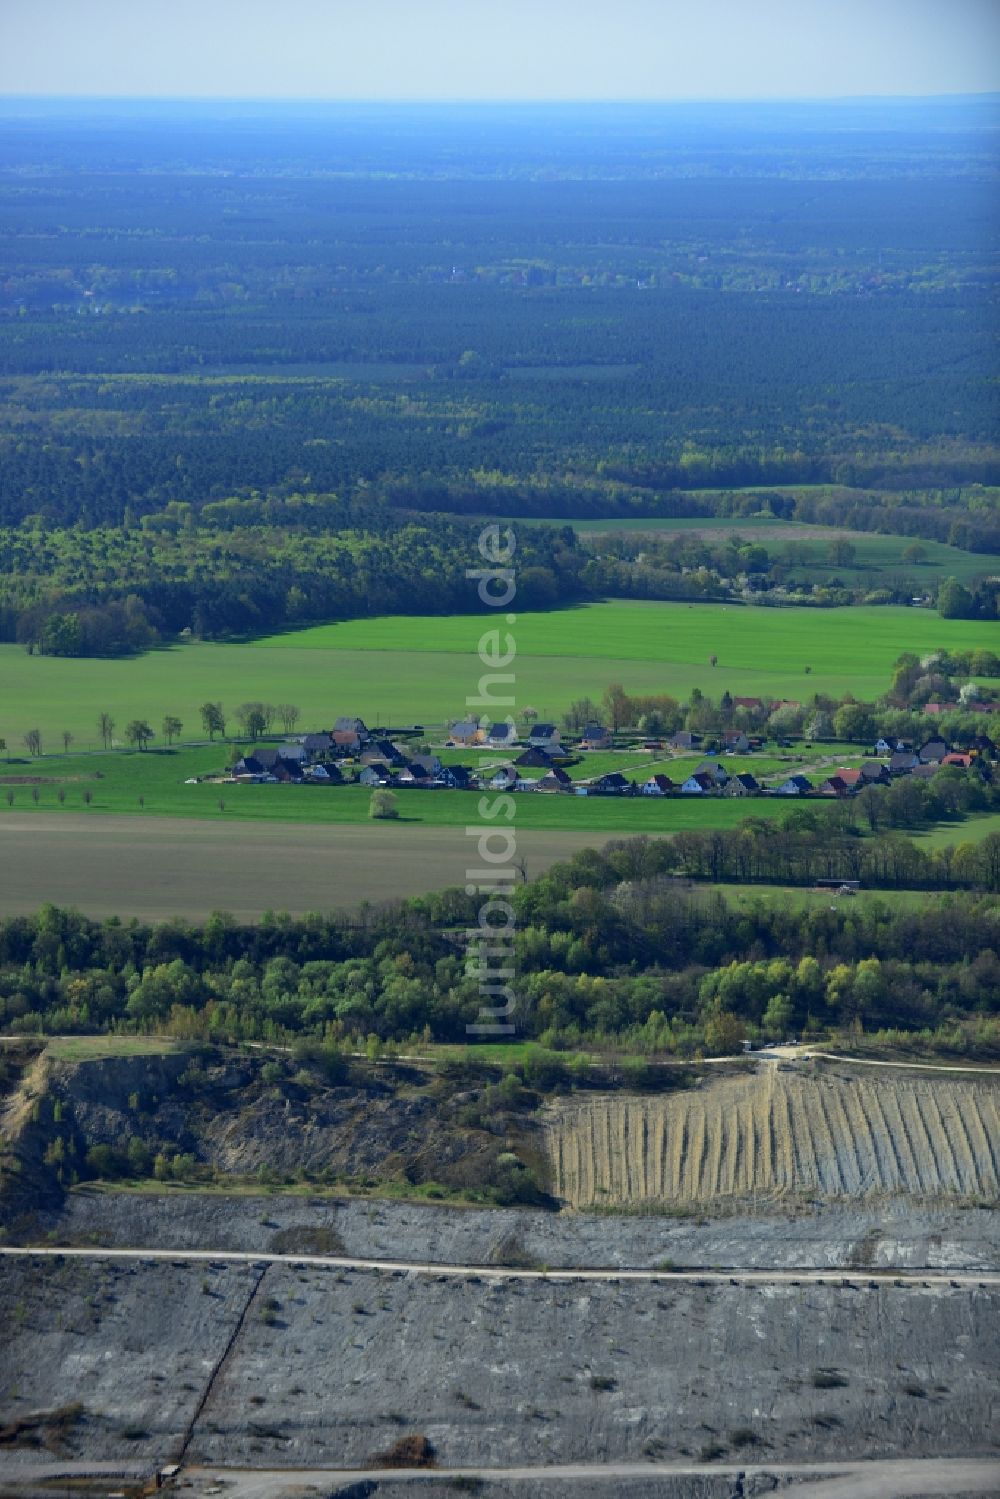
(109, 591)
(608, 945)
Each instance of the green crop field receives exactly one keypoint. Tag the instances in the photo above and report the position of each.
(397, 670)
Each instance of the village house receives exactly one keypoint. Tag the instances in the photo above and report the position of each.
(555, 779)
(352, 725)
(533, 759)
(464, 733)
(742, 785)
(503, 779)
(347, 742)
(835, 785)
(795, 786)
(658, 785)
(317, 744)
(903, 761)
(378, 774)
(501, 736)
(544, 736)
(698, 784)
(717, 774)
(962, 762)
(751, 704)
(456, 777)
(934, 750)
(612, 784)
(735, 741)
(382, 749)
(595, 737)
(685, 740)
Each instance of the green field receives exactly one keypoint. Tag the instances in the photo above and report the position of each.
(116, 781)
(399, 670)
(969, 830)
(874, 553)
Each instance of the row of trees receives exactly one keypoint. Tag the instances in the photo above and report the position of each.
(607, 945)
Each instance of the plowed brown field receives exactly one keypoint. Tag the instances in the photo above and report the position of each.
(834, 1134)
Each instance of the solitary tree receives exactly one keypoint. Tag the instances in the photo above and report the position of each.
(61, 795)
(106, 728)
(67, 739)
(10, 796)
(88, 797)
(139, 733)
(33, 741)
(171, 728)
(35, 794)
(289, 715)
(713, 659)
(383, 806)
(213, 719)
(915, 554)
(529, 715)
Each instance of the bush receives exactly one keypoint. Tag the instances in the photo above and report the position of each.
(383, 806)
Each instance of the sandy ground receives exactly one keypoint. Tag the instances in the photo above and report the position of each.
(155, 868)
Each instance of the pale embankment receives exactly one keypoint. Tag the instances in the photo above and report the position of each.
(822, 1129)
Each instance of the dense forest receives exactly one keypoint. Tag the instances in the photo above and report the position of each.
(241, 567)
(198, 304)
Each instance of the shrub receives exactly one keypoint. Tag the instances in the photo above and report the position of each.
(383, 806)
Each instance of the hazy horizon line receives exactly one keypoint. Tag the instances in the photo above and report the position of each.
(499, 100)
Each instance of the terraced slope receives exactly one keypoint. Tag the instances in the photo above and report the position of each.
(780, 1130)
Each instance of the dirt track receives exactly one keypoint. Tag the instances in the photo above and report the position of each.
(837, 1134)
(158, 867)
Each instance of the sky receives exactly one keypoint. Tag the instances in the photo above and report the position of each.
(499, 49)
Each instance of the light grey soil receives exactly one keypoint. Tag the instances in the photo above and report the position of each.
(317, 1367)
(898, 1234)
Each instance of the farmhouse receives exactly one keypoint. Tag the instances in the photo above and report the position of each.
(751, 704)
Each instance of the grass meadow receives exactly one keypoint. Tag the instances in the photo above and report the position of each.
(404, 670)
